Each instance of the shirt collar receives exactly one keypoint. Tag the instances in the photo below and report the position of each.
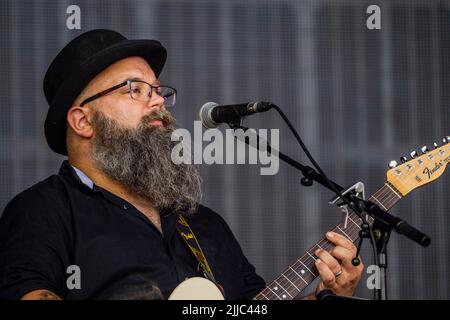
(68, 170)
(73, 173)
(84, 178)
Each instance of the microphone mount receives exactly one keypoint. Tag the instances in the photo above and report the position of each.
(212, 114)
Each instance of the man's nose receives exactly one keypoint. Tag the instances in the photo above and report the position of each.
(156, 101)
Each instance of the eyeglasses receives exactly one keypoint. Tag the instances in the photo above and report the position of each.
(141, 91)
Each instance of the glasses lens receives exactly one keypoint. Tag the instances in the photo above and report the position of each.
(168, 94)
(139, 91)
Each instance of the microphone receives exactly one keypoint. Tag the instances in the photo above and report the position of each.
(212, 114)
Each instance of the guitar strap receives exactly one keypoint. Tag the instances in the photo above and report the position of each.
(191, 241)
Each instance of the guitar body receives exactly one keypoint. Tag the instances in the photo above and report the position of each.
(197, 288)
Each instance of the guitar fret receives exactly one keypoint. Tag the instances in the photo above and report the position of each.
(274, 293)
(388, 192)
(395, 192)
(280, 286)
(379, 203)
(307, 268)
(290, 282)
(353, 229)
(345, 234)
(353, 222)
(311, 255)
(299, 275)
(265, 297)
(325, 246)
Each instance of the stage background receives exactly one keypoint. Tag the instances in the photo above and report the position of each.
(358, 97)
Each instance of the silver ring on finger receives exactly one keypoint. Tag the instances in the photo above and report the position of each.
(337, 274)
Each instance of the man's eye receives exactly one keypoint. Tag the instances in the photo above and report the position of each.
(136, 90)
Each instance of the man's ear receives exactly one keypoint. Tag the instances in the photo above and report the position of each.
(80, 120)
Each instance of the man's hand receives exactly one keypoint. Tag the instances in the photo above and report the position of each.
(335, 267)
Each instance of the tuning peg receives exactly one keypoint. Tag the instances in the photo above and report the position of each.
(413, 154)
(447, 138)
(424, 149)
(435, 145)
(403, 159)
(393, 164)
(444, 140)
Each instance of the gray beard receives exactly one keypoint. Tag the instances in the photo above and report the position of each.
(140, 160)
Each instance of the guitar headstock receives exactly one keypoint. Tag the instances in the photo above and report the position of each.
(420, 170)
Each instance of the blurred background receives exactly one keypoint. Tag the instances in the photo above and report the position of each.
(359, 98)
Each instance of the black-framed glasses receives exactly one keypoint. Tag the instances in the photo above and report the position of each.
(140, 91)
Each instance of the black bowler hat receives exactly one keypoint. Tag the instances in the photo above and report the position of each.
(78, 63)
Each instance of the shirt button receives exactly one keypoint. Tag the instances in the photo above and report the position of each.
(125, 207)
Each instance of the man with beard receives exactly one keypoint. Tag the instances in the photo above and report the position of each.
(107, 226)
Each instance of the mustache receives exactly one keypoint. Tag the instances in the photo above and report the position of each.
(163, 115)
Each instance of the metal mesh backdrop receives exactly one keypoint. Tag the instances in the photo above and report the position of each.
(359, 98)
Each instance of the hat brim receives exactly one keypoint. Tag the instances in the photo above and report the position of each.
(55, 122)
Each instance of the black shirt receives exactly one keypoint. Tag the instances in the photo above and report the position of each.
(60, 222)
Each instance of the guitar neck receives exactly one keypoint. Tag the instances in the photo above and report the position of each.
(302, 272)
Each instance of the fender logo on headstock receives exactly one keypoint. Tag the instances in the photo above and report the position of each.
(430, 172)
(437, 165)
(420, 170)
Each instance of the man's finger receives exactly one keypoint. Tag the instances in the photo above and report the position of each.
(329, 260)
(340, 240)
(326, 274)
(342, 254)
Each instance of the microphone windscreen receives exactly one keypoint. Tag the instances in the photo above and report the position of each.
(205, 115)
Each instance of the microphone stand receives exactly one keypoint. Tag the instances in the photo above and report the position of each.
(382, 235)
(383, 224)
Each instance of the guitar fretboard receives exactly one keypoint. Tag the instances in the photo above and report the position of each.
(303, 271)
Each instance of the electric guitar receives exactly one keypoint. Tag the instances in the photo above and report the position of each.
(401, 180)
